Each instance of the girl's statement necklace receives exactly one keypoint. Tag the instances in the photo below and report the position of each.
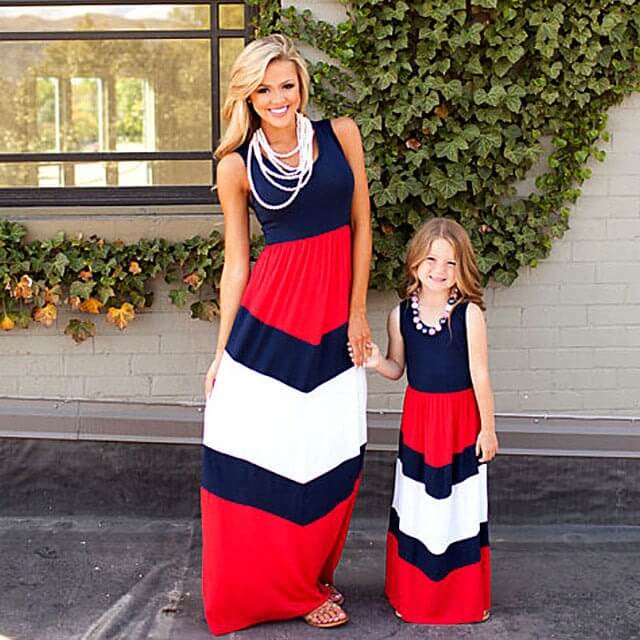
(260, 148)
(442, 320)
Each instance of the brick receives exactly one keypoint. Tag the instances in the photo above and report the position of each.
(618, 272)
(617, 164)
(624, 185)
(118, 387)
(396, 401)
(17, 366)
(8, 387)
(191, 364)
(550, 401)
(561, 359)
(173, 343)
(378, 401)
(521, 380)
(610, 400)
(625, 140)
(188, 385)
(624, 118)
(523, 338)
(546, 273)
(586, 293)
(605, 336)
(628, 378)
(633, 293)
(97, 365)
(600, 207)
(631, 102)
(504, 317)
(595, 186)
(627, 357)
(24, 343)
(591, 379)
(508, 359)
(586, 229)
(558, 316)
(124, 343)
(379, 384)
(68, 387)
(628, 229)
(616, 251)
(560, 251)
(506, 401)
(614, 315)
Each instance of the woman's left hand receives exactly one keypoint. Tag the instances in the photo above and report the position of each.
(486, 445)
(359, 335)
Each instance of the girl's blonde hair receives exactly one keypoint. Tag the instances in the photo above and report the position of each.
(247, 74)
(467, 274)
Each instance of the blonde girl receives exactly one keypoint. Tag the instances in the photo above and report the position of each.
(285, 422)
(437, 546)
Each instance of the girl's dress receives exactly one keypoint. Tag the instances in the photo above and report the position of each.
(438, 544)
(285, 426)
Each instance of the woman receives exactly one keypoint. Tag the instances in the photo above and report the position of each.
(285, 421)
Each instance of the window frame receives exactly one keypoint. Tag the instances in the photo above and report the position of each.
(115, 195)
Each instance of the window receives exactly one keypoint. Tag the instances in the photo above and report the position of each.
(113, 103)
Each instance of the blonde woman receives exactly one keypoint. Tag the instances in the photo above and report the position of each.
(285, 418)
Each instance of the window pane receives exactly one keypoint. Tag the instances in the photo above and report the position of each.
(229, 50)
(104, 18)
(88, 95)
(103, 174)
(231, 16)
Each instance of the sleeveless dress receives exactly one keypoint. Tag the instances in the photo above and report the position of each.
(438, 567)
(285, 427)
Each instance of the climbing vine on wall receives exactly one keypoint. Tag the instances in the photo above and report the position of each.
(456, 100)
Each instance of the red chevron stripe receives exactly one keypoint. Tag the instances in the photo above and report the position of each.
(439, 425)
(311, 297)
(258, 567)
(462, 597)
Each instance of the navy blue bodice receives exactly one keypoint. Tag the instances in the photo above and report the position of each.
(439, 363)
(324, 204)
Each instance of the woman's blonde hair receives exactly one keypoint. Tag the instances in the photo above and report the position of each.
(247, 74)
(467, 274)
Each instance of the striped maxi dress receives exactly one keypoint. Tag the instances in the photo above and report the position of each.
(438, 568)
(285, 427)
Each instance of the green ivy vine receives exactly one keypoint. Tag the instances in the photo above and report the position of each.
(454, 99)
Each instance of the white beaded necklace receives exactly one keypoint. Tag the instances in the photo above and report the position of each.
(422, 327)
(260, 148)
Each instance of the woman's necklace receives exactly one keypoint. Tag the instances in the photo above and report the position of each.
(260, 148)
(442, 320)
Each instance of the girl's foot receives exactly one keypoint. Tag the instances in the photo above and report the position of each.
(327, 615)
(334, 594)
(486, 614)
(398, 614)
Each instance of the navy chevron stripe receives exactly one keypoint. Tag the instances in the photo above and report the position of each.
(240, 481)
(438, 481)
(294, 362)
(436, 567)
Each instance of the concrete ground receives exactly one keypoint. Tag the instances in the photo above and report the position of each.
(91, 578)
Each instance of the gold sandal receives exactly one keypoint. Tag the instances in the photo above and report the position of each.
(334, 595)
(326, 609)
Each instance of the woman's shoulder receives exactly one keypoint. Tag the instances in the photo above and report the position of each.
(345, 128)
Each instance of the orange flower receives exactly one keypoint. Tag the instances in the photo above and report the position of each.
(7, 323)
(23, 288)
(52, 295)
(92, 305)
(193, 279)
(86, 274)
(134, 268)
(45, 315)
(122, 316)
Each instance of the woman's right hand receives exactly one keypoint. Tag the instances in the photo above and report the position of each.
(210, 377)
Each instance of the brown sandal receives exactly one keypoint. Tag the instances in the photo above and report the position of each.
(326, 616)
(334, 595)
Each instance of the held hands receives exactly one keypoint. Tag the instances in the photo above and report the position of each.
(487, 445)
(374, 358)
(210, 377)
(359, 335)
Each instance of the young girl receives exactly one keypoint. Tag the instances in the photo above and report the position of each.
(437, 546)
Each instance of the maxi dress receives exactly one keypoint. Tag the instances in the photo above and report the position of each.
(438, 567)
(285, 427)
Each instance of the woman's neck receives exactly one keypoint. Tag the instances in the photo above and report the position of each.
(280, 139)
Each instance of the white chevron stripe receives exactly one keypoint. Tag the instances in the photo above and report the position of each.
(438, 523)
(297, 435)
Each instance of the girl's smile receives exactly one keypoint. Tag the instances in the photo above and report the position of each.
(437, 272)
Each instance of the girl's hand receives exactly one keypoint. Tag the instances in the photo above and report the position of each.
(487, 445)
(210, 377)
(359, 335)
(373, 360)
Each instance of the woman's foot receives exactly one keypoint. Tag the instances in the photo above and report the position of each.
(486, 614)
(334, 594)
(327, 615)
(398, 614)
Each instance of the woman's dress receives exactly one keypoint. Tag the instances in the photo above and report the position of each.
(438, 543)
(285, 426)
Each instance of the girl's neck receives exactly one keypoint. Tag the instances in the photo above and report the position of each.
(280, 139)
(433, 298)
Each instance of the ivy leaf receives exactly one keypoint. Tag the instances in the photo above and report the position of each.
(82, 289)
(449, 148)
(446, 186)
(178, 296)
(80, 330)
(205, 310)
